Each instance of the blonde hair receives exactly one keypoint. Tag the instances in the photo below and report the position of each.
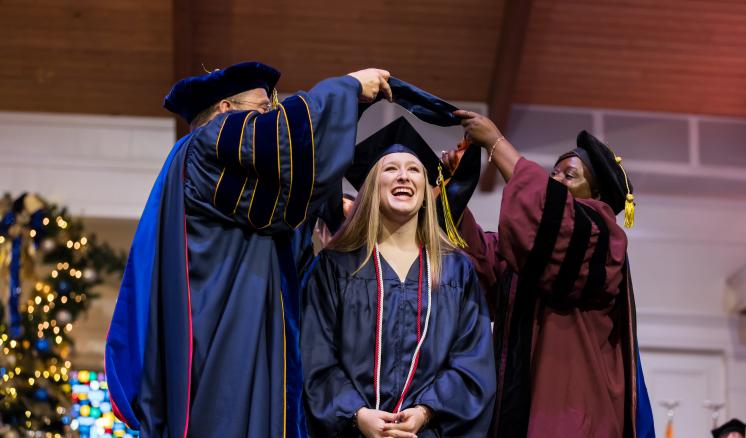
(364, 226)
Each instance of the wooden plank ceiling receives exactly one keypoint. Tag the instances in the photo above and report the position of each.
(85, 56)
(657, 55)
(442, 45)
(117, 56)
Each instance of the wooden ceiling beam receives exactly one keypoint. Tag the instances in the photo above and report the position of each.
(505, 72)
(183, 49)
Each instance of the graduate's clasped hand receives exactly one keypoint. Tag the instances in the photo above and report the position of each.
(380, 424)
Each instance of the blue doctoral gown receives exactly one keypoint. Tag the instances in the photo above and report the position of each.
(455, 376)
(204, 337)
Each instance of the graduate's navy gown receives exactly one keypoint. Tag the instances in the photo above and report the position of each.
(455, 376)
(204, 338)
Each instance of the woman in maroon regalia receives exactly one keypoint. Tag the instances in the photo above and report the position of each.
(557, 277)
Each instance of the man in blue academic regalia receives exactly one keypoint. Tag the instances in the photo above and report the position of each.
(204, 337)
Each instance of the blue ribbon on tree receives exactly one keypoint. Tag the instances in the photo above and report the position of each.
(5, 224)
(15, 288)
(15, 276)
(36, 224)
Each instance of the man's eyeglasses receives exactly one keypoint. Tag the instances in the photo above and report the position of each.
(266, 106)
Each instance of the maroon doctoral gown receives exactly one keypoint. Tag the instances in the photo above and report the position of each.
(557, 282)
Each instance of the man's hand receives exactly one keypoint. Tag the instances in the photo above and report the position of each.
(372, 423)
(479, 129)
(408, 421)
(373, 81)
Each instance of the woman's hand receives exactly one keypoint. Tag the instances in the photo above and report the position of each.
(372, 424)
(409, 422)
(479, 129)
(482, 132)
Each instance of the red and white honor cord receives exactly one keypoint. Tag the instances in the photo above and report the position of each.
(379, 327)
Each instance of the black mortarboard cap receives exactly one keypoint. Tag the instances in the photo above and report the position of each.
(401, 136)
(192, 95)
(734, 425)
(397, 136)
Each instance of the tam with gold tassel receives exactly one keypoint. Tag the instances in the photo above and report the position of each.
(274, 100)
(610, 179)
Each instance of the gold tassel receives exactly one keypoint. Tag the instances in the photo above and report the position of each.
(4, 262)
(629, 211)
(629, 202)
(275, 99)
(208, 71)
(451, 229)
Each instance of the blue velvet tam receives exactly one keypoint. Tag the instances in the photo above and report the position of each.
(397, 136)
(190, 96)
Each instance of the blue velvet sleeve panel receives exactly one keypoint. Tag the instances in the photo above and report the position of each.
(462, 395)
(331, 397)
(271, 172)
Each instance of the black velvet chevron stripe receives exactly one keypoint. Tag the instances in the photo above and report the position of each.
(628, 325)
(516, 398)
(546, 235)
(230, 139)
(570, 268)
(233, 179)
(514, 323)
(229, 189)
(302, 156)
(266, 148)
(597, 267)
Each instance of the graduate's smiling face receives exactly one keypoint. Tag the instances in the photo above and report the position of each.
(401, 186)
(575, 175)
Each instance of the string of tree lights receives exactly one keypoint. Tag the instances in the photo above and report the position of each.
(49, 268)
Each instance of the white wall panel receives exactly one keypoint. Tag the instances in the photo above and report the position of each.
(689, 378)
(95, 165)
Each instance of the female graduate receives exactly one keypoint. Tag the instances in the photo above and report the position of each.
(395, 336)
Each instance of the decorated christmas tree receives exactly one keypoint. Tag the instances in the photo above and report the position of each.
(49, 269)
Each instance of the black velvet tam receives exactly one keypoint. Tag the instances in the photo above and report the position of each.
(602, 162)
(734, 425)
